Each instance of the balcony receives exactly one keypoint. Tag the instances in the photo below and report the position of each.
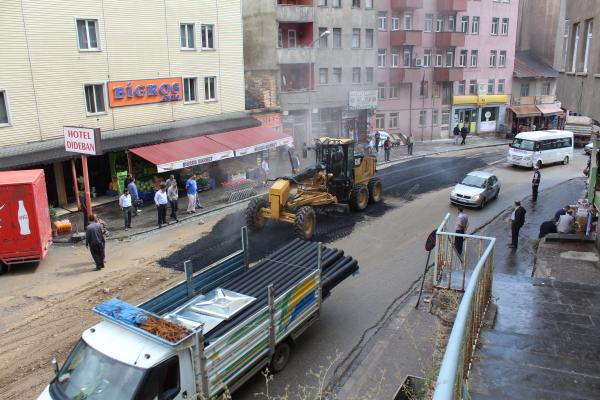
(445, 74)
(405, 75)
(293, 13)
(406, 38)
(443, 40)
(451, 6)
(406, 4)
(294, 55)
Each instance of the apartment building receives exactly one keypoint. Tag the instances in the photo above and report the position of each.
(141, 73)
(319, 55)
(443, 63)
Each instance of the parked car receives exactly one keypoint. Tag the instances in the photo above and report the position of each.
(476, 189)
(588, 148)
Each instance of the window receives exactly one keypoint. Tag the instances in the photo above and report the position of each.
(369, 4)
(87, 34)
(322, 3)
(323, 38)
(381, 58)
(474, 57)
(524, 89)
(450, 58)
(210, 86)
(501, 85)
(395, 58)
(408, 21)
(369, 38)
(323, 72)
(473, 86)
(380, 121)
(356, 75)
(545, 88)
(407, 57)
(588, 45)
(491, 85)
(423, 89)
(435, 89)
(427, 58)
(438, 58)
(381, 90)
(439, 24)
(422, 117)
(461, 87)
(395, 23)
(356, 38)
(279, 38)
(94, 98)
(190, 86)
(563, 63)
(575, 46)
(381, 21)
(428, 22)
(464, 24)
(187, 36)
(337, 38)
(208, 36)
(4, 120)
(451, 23)
(336, 3)
(355, 3)
(504, 27)
(393, 120)
(475, 26)
(495, 22)
(394, 92)
(434, 117)
(493, 58)
(291, 38)
(370, 75)
(462, 58)
(162, 381)
(502, 59)
(336, 77)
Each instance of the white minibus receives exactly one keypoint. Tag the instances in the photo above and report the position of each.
(541, 148)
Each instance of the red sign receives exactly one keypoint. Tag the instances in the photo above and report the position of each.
(144, 91)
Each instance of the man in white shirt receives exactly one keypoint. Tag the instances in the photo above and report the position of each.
(161, 201)
(125, 204)
(566, 223)
(265, 167)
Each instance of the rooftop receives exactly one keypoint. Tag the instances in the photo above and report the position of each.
(528, 66)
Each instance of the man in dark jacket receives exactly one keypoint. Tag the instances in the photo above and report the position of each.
(463, 134)
(535, 183)
(377, 139)
(94, 239)
(84, 209)
(456, 132)
(546, 228)
(517, 220)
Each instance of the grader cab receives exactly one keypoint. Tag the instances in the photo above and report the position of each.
(340, 180)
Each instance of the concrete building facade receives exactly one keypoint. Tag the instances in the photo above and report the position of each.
(321, 56)
(444, 63)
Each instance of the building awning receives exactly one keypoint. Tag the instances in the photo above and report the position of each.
(252, 140)
(527, 110)
(549, 109)
(183, 153)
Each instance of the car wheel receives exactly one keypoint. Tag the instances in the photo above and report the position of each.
(496, 195)
(482, 204)
(566, 160)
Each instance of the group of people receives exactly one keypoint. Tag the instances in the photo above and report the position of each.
(387, 145)
(460, 133)
(564, 221)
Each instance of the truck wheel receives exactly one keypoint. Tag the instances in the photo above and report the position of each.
(305, 222)
(281, 357)
(375, 191)
(359, 197)
(254, 220)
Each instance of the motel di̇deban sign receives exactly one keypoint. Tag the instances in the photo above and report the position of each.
(82, 140)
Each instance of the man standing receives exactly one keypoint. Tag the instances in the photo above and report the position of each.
(517, 220)
(456, 132)
(191, 188)
(94, 240)
(173, 196)
(135, 196)
(410, 142)
(535, 183)
(377, 139)
(387, 148)
(265, 168)
(461, 225)
(161, 201)
(463, 134)
(84, 209)
(169, 181)
(125, 204)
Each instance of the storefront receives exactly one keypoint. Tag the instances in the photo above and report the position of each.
(480, 114)
(522, 117)
(551, 115)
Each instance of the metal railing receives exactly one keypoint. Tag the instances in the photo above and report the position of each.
(456, 363)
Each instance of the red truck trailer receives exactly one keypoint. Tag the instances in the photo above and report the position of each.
(25, 231)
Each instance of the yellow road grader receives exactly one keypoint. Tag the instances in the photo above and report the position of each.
(340, 180)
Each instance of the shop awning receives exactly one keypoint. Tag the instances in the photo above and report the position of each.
(549, 109)
(183, 153)
(528, 110)
(251, 140)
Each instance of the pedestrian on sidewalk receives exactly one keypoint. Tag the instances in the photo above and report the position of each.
(125, 204)
(535, 183)
(84, 210)
(94, 240)
(265, 169)
(547, 227)
(463, 133)
(410, 142)
(135, 196)
(173, 196)
(161, 201)
(377, 140)
(191, 188)
(460, 226)
(387, 148)
(517, 220)
(456, 132)
(169, 181)
(566, 223)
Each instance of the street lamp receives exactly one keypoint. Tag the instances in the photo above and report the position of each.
(310, 78)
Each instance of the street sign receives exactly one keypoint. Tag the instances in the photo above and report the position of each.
(82, 140)
(362, 99)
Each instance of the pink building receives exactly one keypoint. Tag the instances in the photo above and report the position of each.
(443, 63)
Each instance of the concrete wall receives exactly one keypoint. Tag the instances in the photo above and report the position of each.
(538, 27)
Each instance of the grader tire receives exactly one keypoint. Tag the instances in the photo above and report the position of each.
(375, 191)
(359, 197)
(305, 222)
(255, 221)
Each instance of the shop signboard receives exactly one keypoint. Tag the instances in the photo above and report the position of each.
(82, 140)
(144, 91)
(288, 141)
(191, 162)
(362, 100)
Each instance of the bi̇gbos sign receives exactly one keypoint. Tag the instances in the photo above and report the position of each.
(82, 140)
(144, 91)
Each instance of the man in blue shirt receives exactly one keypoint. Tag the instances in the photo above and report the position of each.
(191, 188)
(135, 196)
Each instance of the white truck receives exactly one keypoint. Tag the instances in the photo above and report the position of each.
(232, 320)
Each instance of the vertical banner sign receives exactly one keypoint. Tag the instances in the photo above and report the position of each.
(82, 140)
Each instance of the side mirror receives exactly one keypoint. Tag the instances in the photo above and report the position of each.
(55, 365)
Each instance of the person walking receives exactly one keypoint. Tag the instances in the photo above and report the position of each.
(377, 139)
(535, 183)
(126, 205)
(460, 226)
(517, 220)
(84, 210)
(94, 240)
(191, 188)
(456, 132)
(265, 169)
(463, 133)
(173, 196)
(410, 142)
(387, 148)
(135, 196)
(161, 201)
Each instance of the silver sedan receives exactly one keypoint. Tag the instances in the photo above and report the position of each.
(476, 189)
